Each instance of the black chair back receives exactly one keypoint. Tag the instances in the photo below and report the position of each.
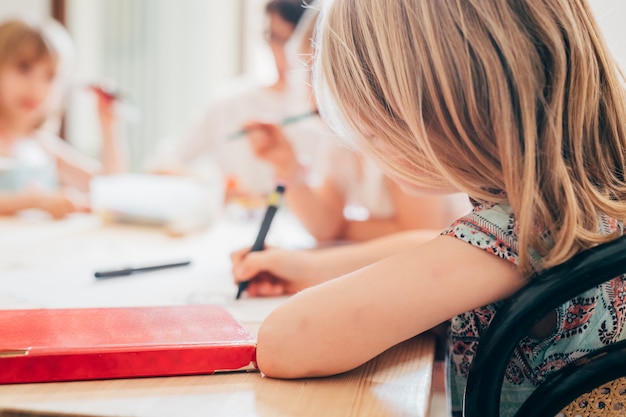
(519, 314)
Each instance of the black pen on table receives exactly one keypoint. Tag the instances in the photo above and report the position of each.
(128, 271)
(273, 202)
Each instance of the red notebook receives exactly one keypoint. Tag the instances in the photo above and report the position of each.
(104, 343)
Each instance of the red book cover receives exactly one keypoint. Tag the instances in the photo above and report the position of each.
(103, 343)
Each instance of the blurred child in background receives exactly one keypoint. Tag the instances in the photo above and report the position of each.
(35, 164)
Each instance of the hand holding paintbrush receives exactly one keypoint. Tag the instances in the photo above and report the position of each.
(112, 104)
(284, 122)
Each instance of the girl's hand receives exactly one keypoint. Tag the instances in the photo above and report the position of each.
(58, 205)
(106, 109)
(113, 153)
(268, 142)
(271, 272)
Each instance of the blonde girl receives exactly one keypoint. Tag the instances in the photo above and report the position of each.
(518, 104)
(35, 66)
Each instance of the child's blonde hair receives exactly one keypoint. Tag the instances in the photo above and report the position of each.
(511, 101)
(24, 41)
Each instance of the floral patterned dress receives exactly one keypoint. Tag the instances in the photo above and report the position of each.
(589, 321)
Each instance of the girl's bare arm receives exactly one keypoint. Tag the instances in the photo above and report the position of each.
(336, 326)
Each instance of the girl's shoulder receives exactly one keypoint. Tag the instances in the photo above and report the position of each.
(494, 227)
(38, 142)
(29, 165)
(44, 136)
(48, 141)
(489, 226)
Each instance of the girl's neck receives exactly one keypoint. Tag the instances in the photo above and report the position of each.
(11, 130)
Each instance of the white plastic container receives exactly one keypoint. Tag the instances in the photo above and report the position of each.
(180, 204)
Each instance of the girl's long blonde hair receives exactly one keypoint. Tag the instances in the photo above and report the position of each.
(520, 96)
(29, 41)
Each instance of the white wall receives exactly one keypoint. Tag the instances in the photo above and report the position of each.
(165, 56)
(611, 16)
(257, 57)
(13, 8)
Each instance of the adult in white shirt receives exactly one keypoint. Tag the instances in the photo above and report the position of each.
(352, 199)
(213, 136)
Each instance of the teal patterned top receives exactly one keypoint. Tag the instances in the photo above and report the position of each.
(589, 321)
(28, 167)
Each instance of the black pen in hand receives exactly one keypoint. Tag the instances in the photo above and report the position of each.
(273, 202)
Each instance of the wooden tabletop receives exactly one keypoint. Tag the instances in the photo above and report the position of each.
(51, 264)
(396, 383)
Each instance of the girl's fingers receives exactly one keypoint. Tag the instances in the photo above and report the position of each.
(251, 264)
(266, 285)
